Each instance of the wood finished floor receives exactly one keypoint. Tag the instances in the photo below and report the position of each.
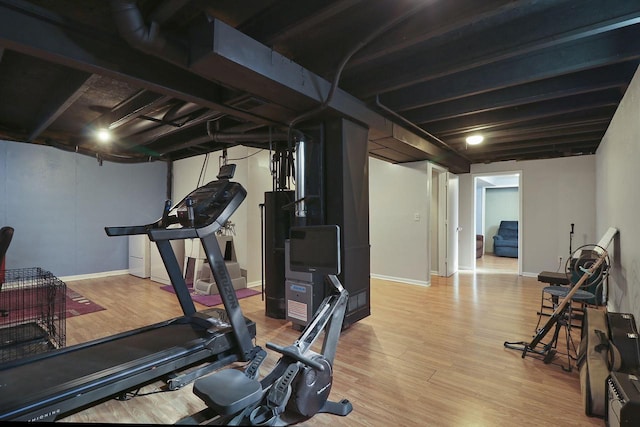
(426, 355)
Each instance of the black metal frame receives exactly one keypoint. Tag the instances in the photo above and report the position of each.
(558, 319)
(328, 320)
(106, 365)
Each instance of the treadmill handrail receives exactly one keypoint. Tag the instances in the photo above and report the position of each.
(126, 230)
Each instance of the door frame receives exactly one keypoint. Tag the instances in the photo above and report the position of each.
(474, 179)
(452, 224)
(440, 235)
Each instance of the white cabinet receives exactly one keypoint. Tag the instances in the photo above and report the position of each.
(139, 257)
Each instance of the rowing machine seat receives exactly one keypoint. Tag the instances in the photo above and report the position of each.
(228, 391)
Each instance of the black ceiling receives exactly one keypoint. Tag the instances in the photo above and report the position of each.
(177, 78)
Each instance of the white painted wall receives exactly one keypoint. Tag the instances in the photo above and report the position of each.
(618, 203)
(399, 246)
(253, 173)
(556, 193)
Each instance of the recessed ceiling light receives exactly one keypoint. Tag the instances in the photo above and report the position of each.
(475, 139)
(103, 135)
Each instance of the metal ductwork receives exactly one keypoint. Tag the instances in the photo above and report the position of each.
(221, 53)
(100, 156)
(226, 137)
(301, 154)
(147, 38)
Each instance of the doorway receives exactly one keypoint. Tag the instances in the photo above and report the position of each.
(497, 197)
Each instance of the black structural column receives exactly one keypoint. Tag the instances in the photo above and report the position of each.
(347, 205)
(277, 224)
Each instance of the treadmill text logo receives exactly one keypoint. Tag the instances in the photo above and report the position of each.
(45, 416)
(226, 285)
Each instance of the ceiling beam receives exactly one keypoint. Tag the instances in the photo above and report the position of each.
(33, 31)
(491, 147)
(239, 61)
(286, 19)
(159, 132)
(536, 26)
(518, 153)
(434, 26)
(134, 107)
(598, 116)
(60, 99)
(509, 136)
(598, 79)
(510, 116)
(584, 54)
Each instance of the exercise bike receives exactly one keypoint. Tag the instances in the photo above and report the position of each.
(299, 385)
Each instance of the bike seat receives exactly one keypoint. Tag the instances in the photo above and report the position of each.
(228, 391)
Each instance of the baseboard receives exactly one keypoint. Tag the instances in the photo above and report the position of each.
(257, 284)
(401, 280)
(94, 275)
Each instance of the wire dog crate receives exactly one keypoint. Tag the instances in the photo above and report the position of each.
(32, 313)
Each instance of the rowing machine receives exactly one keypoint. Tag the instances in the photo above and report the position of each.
(299, 385)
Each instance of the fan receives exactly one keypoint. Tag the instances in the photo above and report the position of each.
(582, 261)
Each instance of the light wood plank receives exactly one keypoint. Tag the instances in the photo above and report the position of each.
(426, 356)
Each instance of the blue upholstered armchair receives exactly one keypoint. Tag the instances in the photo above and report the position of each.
(505, 243)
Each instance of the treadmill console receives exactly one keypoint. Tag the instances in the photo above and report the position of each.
(215, 201)
(202, 212)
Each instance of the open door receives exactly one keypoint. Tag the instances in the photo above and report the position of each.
(451, 223)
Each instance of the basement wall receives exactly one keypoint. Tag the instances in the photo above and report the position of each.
(618, 200)
(59, 203)
(398, 220)
(555, 194)
(252, 171)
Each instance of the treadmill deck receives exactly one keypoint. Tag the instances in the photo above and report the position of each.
(46, 383)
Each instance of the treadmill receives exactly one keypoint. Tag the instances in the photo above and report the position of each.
(50, 385)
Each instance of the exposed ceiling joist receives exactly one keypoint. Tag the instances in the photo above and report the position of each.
(540, 78)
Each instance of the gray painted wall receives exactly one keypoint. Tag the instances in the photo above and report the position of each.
(59, 203)
(555, 193)
(398, 216)
(618, 200)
